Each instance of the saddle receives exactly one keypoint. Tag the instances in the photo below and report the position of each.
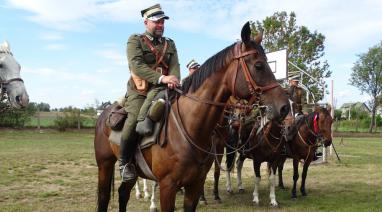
(144, 142)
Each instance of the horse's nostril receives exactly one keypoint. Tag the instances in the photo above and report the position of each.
(18, 99)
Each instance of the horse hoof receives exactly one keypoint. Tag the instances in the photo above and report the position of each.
(138, 196)
(274, 205)
(153, 210)
(241, 191)
(230, 192)
(203, 202)
(218, 201)
(304, 194)
(294, 197)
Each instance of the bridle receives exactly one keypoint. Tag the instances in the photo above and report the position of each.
(254, 89)
(4, 83)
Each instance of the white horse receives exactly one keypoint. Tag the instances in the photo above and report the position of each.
(11, 85)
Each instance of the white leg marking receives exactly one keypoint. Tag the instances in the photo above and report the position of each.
(272, 185)
(228, 183)
(153, 206)
(138, 194)
(256, 191)
(239, 167)
(146, 190)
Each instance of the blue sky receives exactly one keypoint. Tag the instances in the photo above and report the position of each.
(72, 52)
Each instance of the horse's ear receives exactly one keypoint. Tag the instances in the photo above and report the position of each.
(5, 46)
(329, 109)
(259, 38)
(317, 108)
(246, 33)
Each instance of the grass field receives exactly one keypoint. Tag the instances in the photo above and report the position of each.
(52, 171)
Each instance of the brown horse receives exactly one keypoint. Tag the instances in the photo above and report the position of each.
(310, 132)
(185, 158)
(265, 146)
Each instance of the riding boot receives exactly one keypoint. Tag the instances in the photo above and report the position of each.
(126, 161)
(145, 127)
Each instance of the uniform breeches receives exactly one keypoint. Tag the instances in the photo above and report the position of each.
(129, 136)
(147, 103)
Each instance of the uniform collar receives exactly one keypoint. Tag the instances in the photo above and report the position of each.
(152, 38)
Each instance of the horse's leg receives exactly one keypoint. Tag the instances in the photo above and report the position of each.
(192, 194)
(138, 193)
(280, 167)
(167, 195)
(239, 167)
(217, 177)
(202, 198)
(146, 190)
(228, 183)
(272, 185)
(295, 177)
(105, 181)
(256, 168)
(124, 194)
(153, 207)
(303, 177)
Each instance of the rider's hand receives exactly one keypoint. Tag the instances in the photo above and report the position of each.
(171, 81)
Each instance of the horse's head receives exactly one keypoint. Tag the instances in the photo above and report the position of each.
(252, 78)
(11, 83)
(323, 121)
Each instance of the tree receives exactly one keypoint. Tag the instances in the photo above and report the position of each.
(337, 114)
(367, 76)
(305, 49)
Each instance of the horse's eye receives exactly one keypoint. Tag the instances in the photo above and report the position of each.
(259, 66)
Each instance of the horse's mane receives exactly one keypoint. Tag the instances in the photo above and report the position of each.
(213, 64)
(309, 118)
(5, 50)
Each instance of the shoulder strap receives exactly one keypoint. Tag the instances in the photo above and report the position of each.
(158, 56)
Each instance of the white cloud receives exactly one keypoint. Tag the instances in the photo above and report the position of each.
(62, 77)
(345, 25)
(113, 55)
(55, 46)
(51, 36)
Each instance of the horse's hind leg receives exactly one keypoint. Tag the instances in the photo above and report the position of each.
(124, 194)
(105, 182)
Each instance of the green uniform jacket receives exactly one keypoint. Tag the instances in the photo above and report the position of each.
(141, 59)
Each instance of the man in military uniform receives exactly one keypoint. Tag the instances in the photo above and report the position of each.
(154, 65)
(192, 66)
(295, 93)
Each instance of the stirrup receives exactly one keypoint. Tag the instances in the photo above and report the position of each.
(128, 172)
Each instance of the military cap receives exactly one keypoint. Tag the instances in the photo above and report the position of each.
(193, 64)
(154, 13)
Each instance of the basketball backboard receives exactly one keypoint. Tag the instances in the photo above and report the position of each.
(278, 62)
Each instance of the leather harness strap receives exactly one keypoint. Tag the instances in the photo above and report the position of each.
(158, 56)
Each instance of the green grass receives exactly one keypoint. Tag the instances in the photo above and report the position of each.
(52, 171)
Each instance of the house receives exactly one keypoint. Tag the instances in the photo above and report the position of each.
(347, 107)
